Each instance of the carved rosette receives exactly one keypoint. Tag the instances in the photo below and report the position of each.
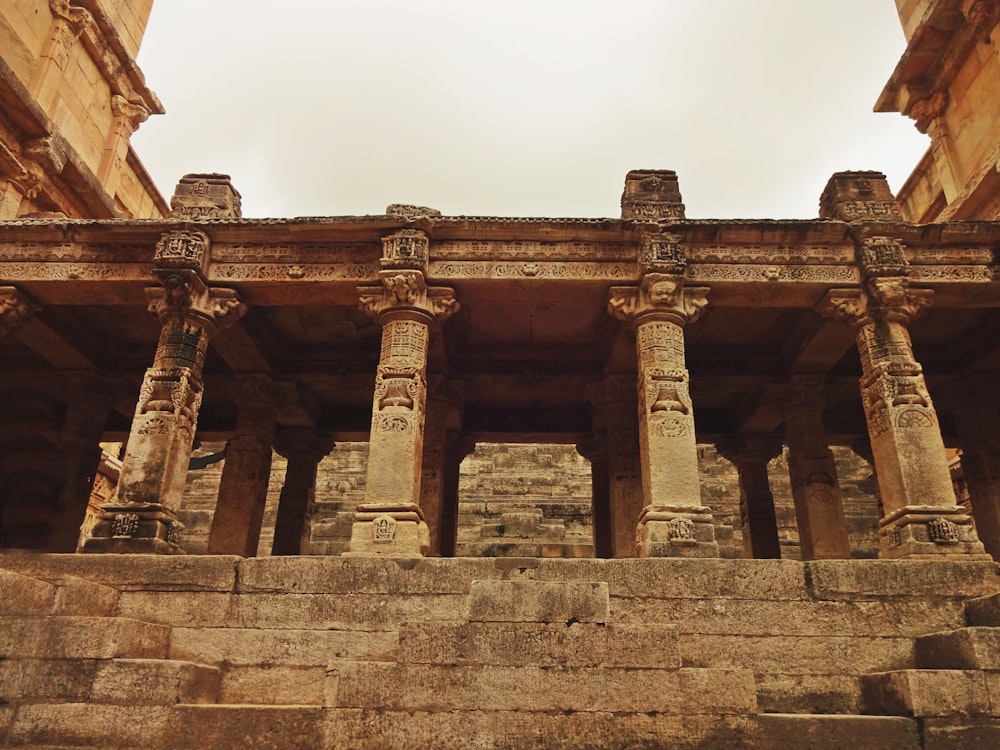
(15, 309)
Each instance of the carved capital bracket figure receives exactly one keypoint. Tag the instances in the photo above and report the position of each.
(405, 307)
(812, 469)
(921, 517)
(673, 522)
(15, 309)
(154, 468)
(750, 455)
(303, 448)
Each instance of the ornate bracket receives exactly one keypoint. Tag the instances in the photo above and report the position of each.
(658, 294)
(15, 309)
(405, 290)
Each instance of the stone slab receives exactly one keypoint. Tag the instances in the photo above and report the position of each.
(81, 638)
(809, 732)
(259, 727)
(35, 680)
(274, 685)
(126, 572)
(154, 682)
(964, 648)
(796, 655)
(88, 725)
(961, 734)
(379, 729)
(727, 616)
(983, 611)
(808, 693)
(927, 692)
(23, 595)
(464, 688)
(76, 596)
(251, 647)
(538, 601)
(860, 579)
(540, 644)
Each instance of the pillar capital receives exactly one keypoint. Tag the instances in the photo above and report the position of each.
(659, 296)
(304, 442)
(745, 449)
(78, 18)
(888, 298)
(404, 294)
(184, 297)
(130, 114)
(593, 447)
(15, 309)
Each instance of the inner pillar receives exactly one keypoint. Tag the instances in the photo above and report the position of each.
(239, 511)
(921, 516)
(143, 518)
(673, 522)
(458, 445)
(750, 454)
(303, 449)
(595, 450)
(390, 521)
(812, 469)
(442, 416)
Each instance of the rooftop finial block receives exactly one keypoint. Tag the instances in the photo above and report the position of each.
(858, 196)
(205, 196)
(652, 194)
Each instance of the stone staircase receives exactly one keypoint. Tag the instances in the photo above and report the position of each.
(312, 652)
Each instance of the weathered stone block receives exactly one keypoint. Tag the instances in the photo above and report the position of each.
(227, 727)
(186, 608)
(33, 680)
(250, 647)
(273, 685)
(804, 732)
(89, 725)
(860, 579)
(984, 611)
(916, 692)
(463, 688)
(154, 682)
(960, 734)
(965, 648)
(77, 596)
(808, 693)
(525, 644)
(365, 612)
(81, 638)
(535, 601)
(23, 595)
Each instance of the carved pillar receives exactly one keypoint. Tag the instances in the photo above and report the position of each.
(239, 510)
(673, 522)
(750, 454)
(457, 447)
(617, 406)
(154, 469)
(68, 23)
(595, 450)
(928, 113)
(127, 118)
(921, 517)
(390, 521)
(812, 469)
(90, 403)
(977, 416)
(304, 450)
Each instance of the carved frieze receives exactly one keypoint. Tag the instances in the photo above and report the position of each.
(531, 269)
(407, 248)
(182, 249)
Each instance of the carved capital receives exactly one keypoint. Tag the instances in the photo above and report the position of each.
(406, 249)
(925, 111)
(594, 448)
(660, 295)
(982, 17)
(182, 249)
(48, 153)
(184, 295)
(252, 390)
(749, 449)
(405, 291)
(132, 113)
(77, 18)
(897, 301)
(848, 305)
(304, 443)
(15, 309)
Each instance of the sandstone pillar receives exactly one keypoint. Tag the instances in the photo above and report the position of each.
(390, 521)
(457, 446)
(595, 450)
(750, 454)
(68, 23)
(921, 518)
(90, 404)
(673, 522)
(616, 404)
(303, 449)
(127, 116)
(239, 510)
(977, 416)
(154, 469)
(812, 469)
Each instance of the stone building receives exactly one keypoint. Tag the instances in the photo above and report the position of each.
(600, 571)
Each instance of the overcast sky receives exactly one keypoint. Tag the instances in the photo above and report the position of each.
(522, 107)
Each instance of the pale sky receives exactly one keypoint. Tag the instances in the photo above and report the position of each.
(522, 108)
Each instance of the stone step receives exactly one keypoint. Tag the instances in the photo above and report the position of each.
(964, 648)
(492, 688)
(932, 692)
(537, 601)
(81, 638)
(983, 611)
(23, 595)
(120, 681)
(835, 732)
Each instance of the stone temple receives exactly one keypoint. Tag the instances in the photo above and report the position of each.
(410, 480)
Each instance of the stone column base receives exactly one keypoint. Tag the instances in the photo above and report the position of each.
(672, 531)
(393, 530)
(929, 531)
(135, 528)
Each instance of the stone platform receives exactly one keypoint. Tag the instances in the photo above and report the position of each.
(209, 652)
